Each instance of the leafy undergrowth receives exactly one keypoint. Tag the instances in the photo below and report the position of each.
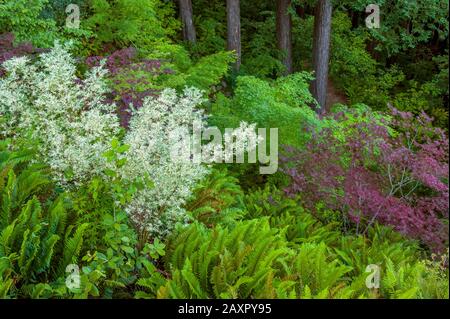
(96, 203)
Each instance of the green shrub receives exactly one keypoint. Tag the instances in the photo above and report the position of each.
(283, 105)
(141, 23)
(261, 58)
(23, 18)
(210, 37)
(423, 98)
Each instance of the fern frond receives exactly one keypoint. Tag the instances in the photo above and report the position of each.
(72, 248)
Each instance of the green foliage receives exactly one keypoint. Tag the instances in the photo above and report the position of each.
(282, 105)
(116, 254)
(203, 74)
(286, 213)
(408, 281)
(379, 85)
(223, 263)
(350, 60)
(420, 98)
(435, 281)
(381, 243)
(56, 9)
(23, 17)
(141, 23)
(427, 95)
(354, 115)
(42, 22)
(261, 57)
(210, 36)
(253, 260)
(217, 199)
(121, 261)
(151, 278)
(405, 24)
(97, 199)
(39, 237)
(244, 237)
(42, 232)
(317, 274)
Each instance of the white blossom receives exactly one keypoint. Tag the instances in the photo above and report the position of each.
(149, 141)
(69, 119)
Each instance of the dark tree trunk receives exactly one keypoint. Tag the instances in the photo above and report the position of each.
(355, 19)
(321, 51)
(188, 21)
(284, 33)
(234, 29)
(300, 11)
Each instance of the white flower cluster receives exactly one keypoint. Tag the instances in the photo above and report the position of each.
(242, 139)
(150, 146)
(233, 145)
(43, 101)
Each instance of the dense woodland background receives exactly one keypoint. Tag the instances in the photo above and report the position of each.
(363, 131)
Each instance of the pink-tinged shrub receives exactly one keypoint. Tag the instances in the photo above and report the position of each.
(396, 175)
(132, 79)
(8, 50)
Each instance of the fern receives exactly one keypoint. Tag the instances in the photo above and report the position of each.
(288, 214)
(203, 74)
(72, 247)
(223, 262)
(316, 271)
(32, 228)
(217, 199)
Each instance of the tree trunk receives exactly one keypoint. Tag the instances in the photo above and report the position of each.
(321, 51)
(301, 11)
(188, 21)
(355, 19)
(234, 30)
(284, 33)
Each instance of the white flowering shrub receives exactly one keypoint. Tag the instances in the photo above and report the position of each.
(45, 101)
(152, 138)
(150, 152)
